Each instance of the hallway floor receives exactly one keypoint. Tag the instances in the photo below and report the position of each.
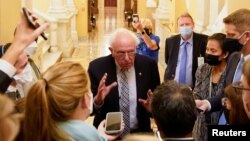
(95, 45)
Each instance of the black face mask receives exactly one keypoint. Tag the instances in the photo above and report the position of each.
(212, 59)
(147, 31)
(232, 45)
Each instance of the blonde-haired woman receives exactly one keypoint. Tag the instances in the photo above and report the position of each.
(9, 119)
(58, 104)
(149, 42)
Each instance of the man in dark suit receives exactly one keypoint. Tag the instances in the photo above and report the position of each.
(187, 42)
(106, 74)
(239, 31)
(246, 84)
(24, 36)
(173, 108)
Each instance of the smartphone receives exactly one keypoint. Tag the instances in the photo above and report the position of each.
(30, 21)
(135, 18)
(113, 122)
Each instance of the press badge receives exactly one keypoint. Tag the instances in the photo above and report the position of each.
(200, 61)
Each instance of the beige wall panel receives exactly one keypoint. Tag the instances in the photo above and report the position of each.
(141, 8)
(42, 5)
(9, 17)
(237, 4)
(82, 18)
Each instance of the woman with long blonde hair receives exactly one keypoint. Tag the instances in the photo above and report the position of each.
(58, 104)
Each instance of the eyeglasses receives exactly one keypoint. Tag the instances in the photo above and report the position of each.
(123, 53)
(238, 87)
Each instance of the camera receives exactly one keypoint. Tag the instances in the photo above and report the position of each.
(135, 18)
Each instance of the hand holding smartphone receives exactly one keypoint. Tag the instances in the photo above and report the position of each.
(113, 123)
(30, 21)
(135, 18)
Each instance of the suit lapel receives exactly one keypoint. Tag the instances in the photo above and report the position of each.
(138, 76)
(176, 49)
(112, 77)
(234, 65)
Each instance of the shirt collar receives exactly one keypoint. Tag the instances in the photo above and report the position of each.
(246, 57)
(118, 67)
(190, 40)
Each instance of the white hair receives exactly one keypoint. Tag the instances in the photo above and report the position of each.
(118, 31)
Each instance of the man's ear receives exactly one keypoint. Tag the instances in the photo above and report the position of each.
(225, 55)
(112, 51)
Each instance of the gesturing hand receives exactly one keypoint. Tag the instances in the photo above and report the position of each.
(147, 103)
(103, 90)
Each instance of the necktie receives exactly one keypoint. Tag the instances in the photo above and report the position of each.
(35, 68)
(238, 71)
(183, 63)
(124, 102)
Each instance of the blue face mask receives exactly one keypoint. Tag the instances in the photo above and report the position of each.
(185, 30)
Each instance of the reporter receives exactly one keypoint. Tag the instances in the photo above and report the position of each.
(64, 101)
(24, 36)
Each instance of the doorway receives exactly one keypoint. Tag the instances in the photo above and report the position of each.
(110, 3)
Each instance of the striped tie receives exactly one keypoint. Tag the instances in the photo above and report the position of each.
(124, 102)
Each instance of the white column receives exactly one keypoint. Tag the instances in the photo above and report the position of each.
(58, 10)
(162, 20)
(215, 10)
(163, 9)
(72, 8)
(57, 7)
(203, 16)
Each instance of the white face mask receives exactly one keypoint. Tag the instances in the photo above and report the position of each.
(31, 49)
(25, 76)
(185, 30)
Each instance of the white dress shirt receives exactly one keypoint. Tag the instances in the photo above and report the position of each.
(132, 94)
(7, 68)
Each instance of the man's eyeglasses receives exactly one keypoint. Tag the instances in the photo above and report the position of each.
(238, 87)
(123, 53)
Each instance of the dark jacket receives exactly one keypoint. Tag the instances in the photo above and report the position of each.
(147, 77)
(172, 50)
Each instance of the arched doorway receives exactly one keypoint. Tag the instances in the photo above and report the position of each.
(110, 3)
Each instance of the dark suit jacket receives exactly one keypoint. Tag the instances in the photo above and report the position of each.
(5, 81)
(232, 64)
(147, 77)
(172, 50)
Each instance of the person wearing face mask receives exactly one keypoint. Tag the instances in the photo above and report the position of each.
(184, 52)
(65, 101)
(209, 81)
(237, 26)
(149, 42)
